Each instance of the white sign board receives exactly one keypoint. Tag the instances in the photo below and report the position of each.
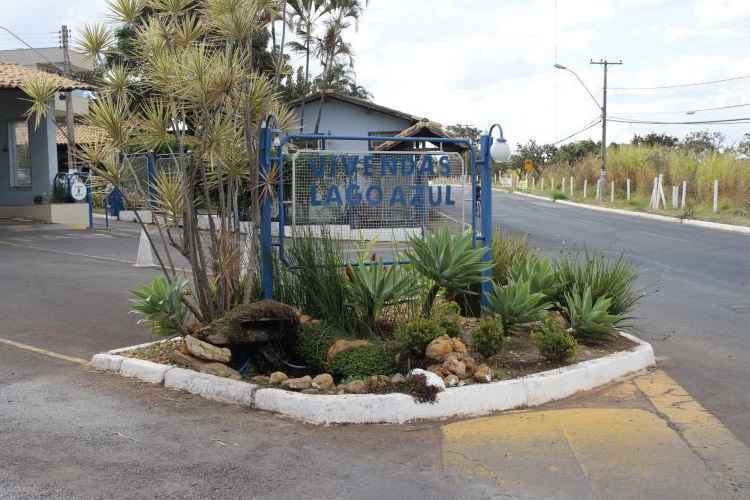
(78, 190)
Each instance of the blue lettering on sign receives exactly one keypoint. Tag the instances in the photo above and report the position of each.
(316, 166)
(333, 196)
(398, 196)
(353, 196)
(377, 199)
(351, 164)
(416, 194)
(445, 166)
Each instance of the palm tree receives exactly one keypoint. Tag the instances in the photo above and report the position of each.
(307, 14)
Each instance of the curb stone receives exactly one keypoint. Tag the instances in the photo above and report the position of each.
(147, 371)
(467, 401)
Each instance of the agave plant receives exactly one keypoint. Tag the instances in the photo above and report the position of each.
(516, 304)
(374, 286)
(450, 261)
(161, 306)
(590, 320)
(539, 272)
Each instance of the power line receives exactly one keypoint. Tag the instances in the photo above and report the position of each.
(726, 121)
(686, 111)
(586, 127)
(682, 85)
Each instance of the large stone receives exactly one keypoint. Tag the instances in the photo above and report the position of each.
(343, 345)
(483, 374)
(324, 382)
(204, 350)
(439, 348)
(456, 367)
(354, 387)
(378, 383)
(398, 379)
(277, 378)
(210, 367)
(252, 323)
(298, 384)
(451, 381)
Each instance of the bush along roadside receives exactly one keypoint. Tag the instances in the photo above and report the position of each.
(373, 327)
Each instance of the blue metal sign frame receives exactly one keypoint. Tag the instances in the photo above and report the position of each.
(272, 141)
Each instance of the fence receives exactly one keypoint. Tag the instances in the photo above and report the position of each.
(678, 196)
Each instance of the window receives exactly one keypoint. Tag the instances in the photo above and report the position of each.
(20, 154)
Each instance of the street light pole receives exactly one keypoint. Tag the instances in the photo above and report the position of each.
(602, 107)
(605, 64)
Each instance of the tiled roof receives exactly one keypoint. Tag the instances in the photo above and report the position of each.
(330, 94)
(13, 76)
(84, 134)
(423, 128)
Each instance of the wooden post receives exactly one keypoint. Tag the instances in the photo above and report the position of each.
(716, 195)
(683, 204)
(612, 192)
(598, 189)
(627, 188)
(563, 185)
(675, 197)
(571, 185)
(585, 187)
(552, 186)
(533, 183)
(542, 184)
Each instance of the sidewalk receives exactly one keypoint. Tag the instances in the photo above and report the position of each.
(643, 438)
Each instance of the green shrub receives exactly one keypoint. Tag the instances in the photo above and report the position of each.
(450, 261)
(161, 307)
(516, 304)
(313, 342)
(415, 335)
(507, 250)
(590, 320)
(488, 337)
(553, 342)
(320, 278)
(558, 195)
(373, 286)
(448, 315)
(538, 271)
(612, 278)
(361, 362)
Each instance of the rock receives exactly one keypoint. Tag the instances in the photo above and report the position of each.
(324, 382)
(206, 351)
(221, 370)
(439, 370)
(378, 383)
(298, 384)
(355, 387)
(212, 368)
(252, 323)
(439, 348)
(342, 345)
(451, 381)
(483, 374)
(456, 367)
(261, 379)
(311, 390)
(398, 379)
(277, 378)
(432, 379)
(305, 319)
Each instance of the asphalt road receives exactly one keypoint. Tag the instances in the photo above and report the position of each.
(697, 313)
(69, 432)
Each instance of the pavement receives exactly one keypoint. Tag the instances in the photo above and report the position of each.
(67, 431)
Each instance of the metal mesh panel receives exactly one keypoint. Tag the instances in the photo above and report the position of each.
(388, 196)
(135, 181)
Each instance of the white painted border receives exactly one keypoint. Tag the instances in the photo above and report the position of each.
(642, 215)
(468, 401)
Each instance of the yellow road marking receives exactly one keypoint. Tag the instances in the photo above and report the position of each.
(45, 352)
(705, 434)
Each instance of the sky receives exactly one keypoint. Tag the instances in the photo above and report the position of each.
(485, 61)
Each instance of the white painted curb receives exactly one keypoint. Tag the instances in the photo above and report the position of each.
(468, 401)
(642, 215)
(144, 370)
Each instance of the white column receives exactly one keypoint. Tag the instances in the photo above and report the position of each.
(716, 195)
(571, 185)
(585, 187)
(627, 188)
(612, 192)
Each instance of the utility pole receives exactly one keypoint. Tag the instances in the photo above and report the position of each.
(69, 114)
(605, 64)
